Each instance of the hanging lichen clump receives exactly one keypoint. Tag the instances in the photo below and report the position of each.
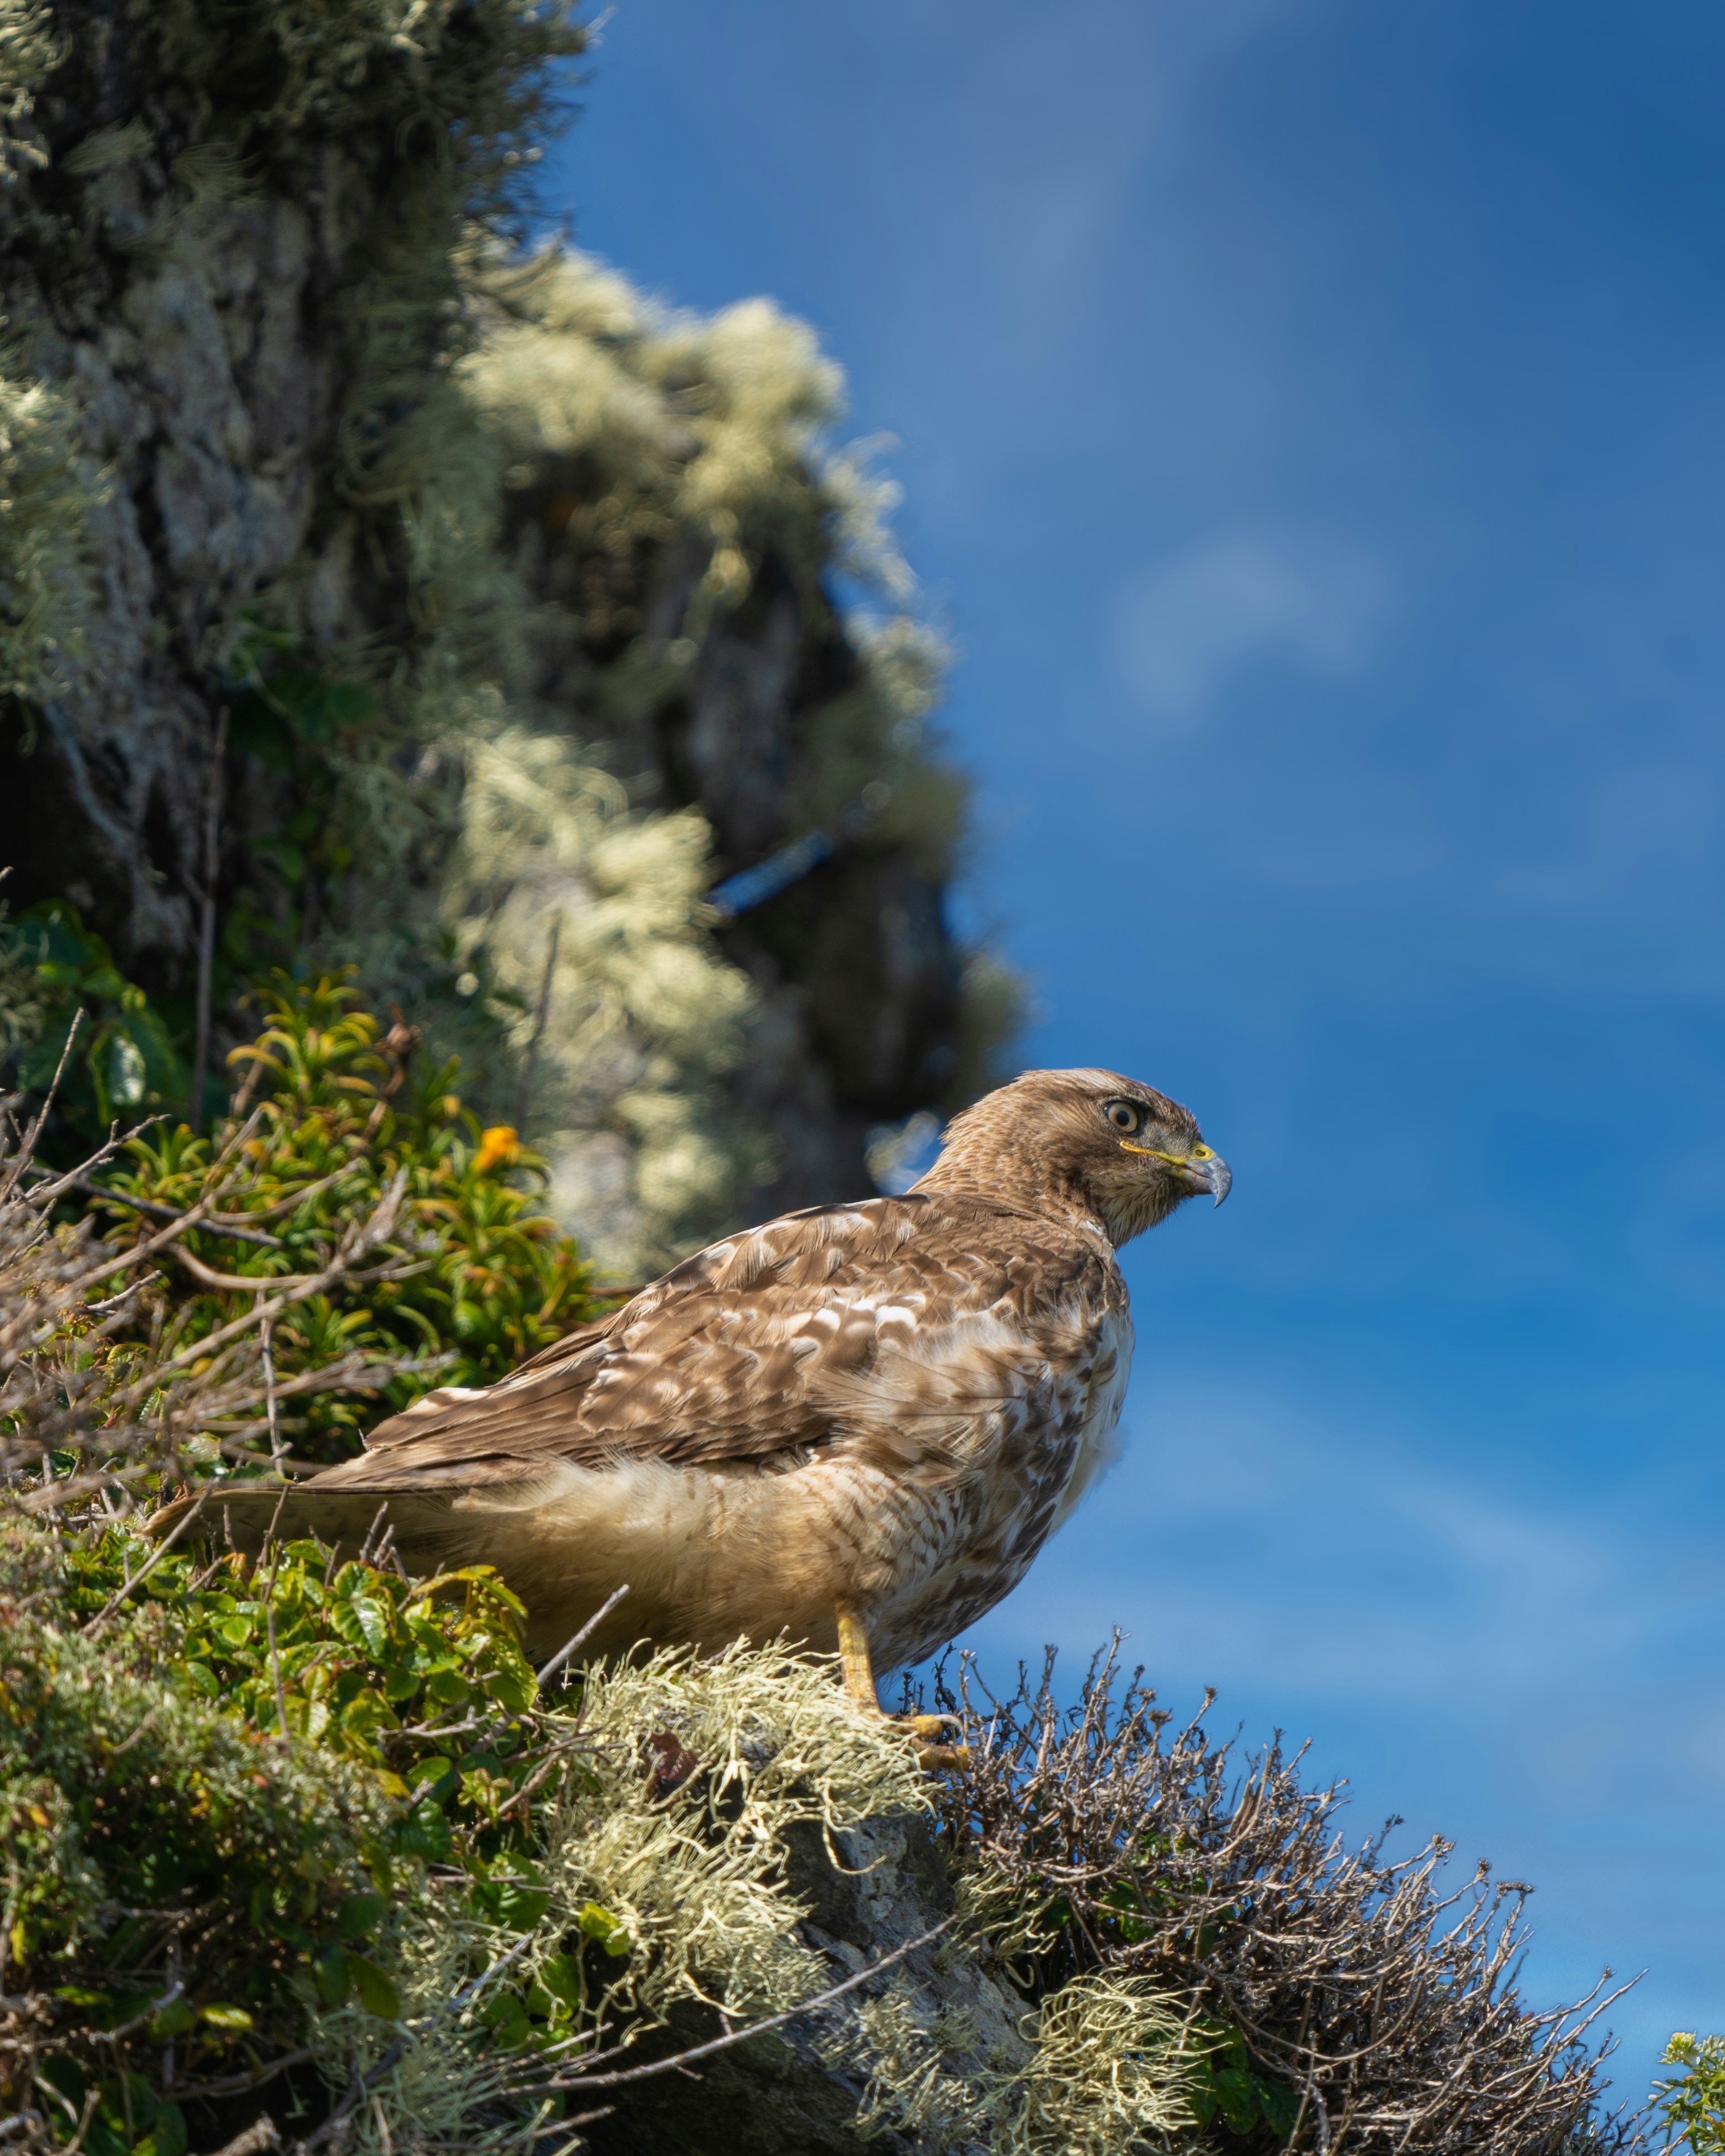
(589, 923)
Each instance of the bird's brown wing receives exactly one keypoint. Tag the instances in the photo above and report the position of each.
(763, 1344)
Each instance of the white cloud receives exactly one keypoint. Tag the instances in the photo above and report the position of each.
(1189, 624)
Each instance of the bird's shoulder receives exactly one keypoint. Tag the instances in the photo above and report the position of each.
(967, 1247)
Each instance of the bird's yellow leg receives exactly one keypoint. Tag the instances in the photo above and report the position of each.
(854, 1663)
(858, 1671)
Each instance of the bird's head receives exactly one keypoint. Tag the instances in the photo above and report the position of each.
(1092, 1141)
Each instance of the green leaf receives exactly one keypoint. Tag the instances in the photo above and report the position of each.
(225, 2017)
(168, 2138)
(563, 1979)
(424, 1832)
(359, 1914)
(334, 1975)
(508, 1903)
(1237, 2093)
(367, 1711)
(120, 2094)
(361, 1619)
(106, 2009)
(600, 1924)
(506, 2017)
(1279, 2104)
(376, 1987)
(516, 1689)
(174, 2019)
(64, 2076)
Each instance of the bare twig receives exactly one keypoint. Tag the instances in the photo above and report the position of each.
(153, 1206)
(573, 1646)
(207, 917)
(32, 1137)
(148, 1566)
(1384, 1999)
(266, 1335)
(261, 2134)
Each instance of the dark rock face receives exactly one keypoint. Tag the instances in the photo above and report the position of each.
(190, 335)
(229, 242)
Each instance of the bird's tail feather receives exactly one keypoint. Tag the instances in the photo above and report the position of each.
(427, 1533)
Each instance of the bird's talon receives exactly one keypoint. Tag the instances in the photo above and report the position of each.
(942, 1758)
(936, 1758)
(928, 1725)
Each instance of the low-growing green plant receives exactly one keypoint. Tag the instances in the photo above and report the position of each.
(222, 1784)
(1692, 2104)
(174, 1878)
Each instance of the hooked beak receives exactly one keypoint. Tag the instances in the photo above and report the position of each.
(1204, 1169)
(1212, 1172)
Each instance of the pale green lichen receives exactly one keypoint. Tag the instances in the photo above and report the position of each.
(1114, 2067)
(589, 920)
(29, 51)
(48, 489)
(1111, 2064)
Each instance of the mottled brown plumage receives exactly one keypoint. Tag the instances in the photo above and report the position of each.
(884, 1408)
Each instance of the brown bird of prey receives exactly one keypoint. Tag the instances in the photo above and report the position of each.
(855, 1425)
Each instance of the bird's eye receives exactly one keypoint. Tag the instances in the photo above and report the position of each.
(1122, 1114)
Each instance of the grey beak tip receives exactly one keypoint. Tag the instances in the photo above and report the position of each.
(1220, 1179)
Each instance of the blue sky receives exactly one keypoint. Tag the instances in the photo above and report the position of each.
(1310, 417)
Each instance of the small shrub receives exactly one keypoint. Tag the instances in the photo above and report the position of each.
(1692, 2104)
(333, 1111)
(1339, 1995)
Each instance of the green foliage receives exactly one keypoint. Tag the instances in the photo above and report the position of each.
(460, 83)
(124, 1064)
(1692, 2104)
(340, 1115)
(172, 1874)
(423, 1681)
(194, 1888)
(1232, 2091)
(28, 50)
